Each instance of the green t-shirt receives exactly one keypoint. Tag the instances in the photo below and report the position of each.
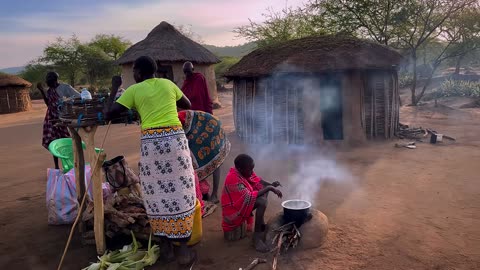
(156, 102)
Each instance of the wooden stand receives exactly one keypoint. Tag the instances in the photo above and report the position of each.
(87, 134)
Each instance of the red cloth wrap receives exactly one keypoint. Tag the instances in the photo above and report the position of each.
(238, 199)
(196, 90)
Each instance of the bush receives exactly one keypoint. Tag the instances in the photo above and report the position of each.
(405, 80)
(455, 88)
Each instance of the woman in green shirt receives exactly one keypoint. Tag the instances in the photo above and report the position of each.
(166, 170)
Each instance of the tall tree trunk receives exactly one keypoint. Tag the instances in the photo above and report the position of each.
(414, 79)
(458, 65)
(427, 83)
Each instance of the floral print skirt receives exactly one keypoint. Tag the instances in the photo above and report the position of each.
(168, 181)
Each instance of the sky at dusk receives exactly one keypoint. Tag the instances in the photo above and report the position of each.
(28, 25)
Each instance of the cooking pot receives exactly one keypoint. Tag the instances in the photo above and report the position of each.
(297, 211)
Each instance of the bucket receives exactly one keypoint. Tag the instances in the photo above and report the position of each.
(197, 227)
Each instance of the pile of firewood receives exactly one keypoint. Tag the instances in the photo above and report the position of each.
(288, 236)
(411, 133)
(123, 213)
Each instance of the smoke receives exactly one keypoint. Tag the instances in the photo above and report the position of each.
(309, 165)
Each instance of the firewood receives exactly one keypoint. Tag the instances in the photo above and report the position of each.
(254, 263)
(284, 227)
(279, 246)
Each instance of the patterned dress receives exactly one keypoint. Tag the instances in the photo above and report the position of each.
(168, 182)
(50, 131)
(207, 141)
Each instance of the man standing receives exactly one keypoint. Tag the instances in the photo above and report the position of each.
(196, 90)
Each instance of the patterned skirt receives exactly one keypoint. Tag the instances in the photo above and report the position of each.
(207, 141)
(168, 181)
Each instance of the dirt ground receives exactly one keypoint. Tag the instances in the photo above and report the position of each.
(404, 209)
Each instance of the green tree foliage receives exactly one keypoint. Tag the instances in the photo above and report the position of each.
(65, 56)
(224, 65)
(98, 67)
(113, 46)
(411, 26)
(91, 62)
(279, 26)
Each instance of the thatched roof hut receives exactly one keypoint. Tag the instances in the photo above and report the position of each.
(316, 89)
(14, 94)
(171, 49)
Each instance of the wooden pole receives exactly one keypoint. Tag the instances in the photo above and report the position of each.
(88, 135)
(79, 162)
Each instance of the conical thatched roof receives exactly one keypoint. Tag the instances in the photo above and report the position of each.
(12, 80)
(165, 43)
(315, 54)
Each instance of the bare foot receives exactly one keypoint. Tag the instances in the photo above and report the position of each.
(214, 199)
(259, 244)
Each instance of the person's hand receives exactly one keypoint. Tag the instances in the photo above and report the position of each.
(40, 86)
(277, 192)
(116, 82)
(276, 184)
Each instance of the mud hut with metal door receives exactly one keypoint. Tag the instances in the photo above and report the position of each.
(14, 94)
(316, 89)
(171, 49)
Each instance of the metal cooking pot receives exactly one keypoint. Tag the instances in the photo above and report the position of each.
(297, 211)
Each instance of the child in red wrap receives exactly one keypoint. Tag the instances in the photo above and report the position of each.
(243, 193)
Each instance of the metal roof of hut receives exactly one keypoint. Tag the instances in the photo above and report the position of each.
(12, 80)
(316, 54)
(165, 43)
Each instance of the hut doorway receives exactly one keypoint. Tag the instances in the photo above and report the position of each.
(165, 71)
(331, 108)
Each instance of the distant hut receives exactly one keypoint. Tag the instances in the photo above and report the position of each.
(14, 94)
(316, 89)
(171, 49)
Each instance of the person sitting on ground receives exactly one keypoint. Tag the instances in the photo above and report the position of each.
(243, 193)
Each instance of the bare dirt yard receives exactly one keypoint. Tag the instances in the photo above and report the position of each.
(403, 209)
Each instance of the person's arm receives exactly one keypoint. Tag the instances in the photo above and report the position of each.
(116, 83)
(124, 103)
(266, 184)
(182, 101)
(268, 189)
(207, 100)
(42, 91)
(114, 111)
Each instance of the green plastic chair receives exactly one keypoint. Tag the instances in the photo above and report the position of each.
(62, 149)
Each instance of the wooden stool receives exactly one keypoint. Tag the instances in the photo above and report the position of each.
(238, 233)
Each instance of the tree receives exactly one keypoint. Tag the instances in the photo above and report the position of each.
(65, 56)
(98, 67)
(34, 72)
(112, 45)
(187, 31)
(407, 25)
(378, 20)
(278, 26)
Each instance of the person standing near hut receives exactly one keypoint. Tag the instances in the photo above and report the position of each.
(56, 92)
(196, 89)
(166, 172)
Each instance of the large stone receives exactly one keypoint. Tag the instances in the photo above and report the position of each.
(314, 232)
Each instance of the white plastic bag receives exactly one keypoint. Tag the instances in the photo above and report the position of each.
(62, 204)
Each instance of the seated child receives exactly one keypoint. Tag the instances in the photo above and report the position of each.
(243, 193)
